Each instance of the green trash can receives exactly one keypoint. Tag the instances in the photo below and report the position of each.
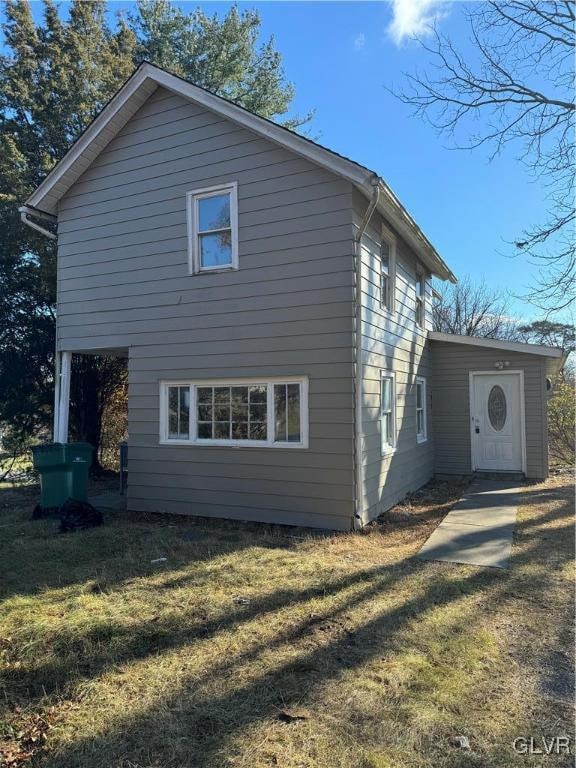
(63, 470)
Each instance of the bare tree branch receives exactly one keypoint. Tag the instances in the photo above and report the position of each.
(522, 89)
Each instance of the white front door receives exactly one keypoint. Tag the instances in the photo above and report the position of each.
(497, 429)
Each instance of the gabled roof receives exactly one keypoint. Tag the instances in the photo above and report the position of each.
(144, 82)
(505, 346)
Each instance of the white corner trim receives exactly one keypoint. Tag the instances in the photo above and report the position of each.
(505, 346)
(192, 197)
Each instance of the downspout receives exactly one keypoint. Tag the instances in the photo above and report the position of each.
(25, 212)
(358, 390)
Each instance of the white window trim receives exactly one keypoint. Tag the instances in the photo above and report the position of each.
(422, 437)
(194, 265)
(266, 381)
(388, 236)
(385, 448)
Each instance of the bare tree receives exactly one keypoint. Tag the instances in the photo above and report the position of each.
(470, 309)
(520, 91)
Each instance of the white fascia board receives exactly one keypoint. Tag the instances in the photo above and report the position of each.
(505, 346)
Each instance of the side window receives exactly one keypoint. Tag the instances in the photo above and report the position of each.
(387, 271)
(212, 216)
(420, 300)
(421, 410)
(387, 412)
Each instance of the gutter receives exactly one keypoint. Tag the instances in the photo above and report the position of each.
(25, 211)
(358, 523)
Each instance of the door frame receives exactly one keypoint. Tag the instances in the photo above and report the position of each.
(472, 406)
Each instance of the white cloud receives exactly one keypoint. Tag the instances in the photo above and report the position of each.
(359, 41)
(415, 18)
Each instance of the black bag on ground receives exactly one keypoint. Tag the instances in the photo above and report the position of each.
(78, 515)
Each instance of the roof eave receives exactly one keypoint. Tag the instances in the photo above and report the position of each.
(504, 346)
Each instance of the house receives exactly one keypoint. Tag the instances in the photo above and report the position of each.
(273, 299)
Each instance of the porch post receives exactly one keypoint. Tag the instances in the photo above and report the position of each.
(55, 431)
(64, 396)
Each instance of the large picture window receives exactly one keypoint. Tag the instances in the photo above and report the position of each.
(245, 412)
(213, 228)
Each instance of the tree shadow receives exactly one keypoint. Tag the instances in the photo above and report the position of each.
(207, 722)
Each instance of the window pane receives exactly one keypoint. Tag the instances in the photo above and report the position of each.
(204, 394)
(280, 412)
(418, 394)
(222, 413)
(386, 429)
(420, 422)
(221, 394)
(385, 291)
(172, 411)
(221, 430)
(178, 412)
(240, 394)
(386, 394)
(214, 212)
(258, 412)
(204, 430)
(385, 255)
(216, 250)
(239, 412)
(293, 413)
(185, 412)
(240, 430)
(258, 431)
(258, 394)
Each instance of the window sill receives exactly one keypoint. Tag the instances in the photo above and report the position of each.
(420, 439)
(215, 270)
(234, 444)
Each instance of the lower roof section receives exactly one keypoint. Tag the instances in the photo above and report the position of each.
(505, 346)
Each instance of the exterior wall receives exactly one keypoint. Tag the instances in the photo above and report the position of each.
(452, 364)
(394, 343)
(123, 283)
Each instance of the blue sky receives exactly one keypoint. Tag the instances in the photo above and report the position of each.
(342, 57)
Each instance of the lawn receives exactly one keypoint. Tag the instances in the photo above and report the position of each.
(156, 642)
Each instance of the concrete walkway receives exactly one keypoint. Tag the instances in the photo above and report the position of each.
(478, 530)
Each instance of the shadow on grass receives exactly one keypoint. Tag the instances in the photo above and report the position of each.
(204, 724)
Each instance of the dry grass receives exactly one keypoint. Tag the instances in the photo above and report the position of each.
(113, 661)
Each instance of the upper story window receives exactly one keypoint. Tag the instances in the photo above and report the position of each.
(387, 270)
(243, 412)
(420, 300)
(213, 228)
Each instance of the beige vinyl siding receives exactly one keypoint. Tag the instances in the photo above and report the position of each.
(452, 365)
(123, 283)
(391, 342)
